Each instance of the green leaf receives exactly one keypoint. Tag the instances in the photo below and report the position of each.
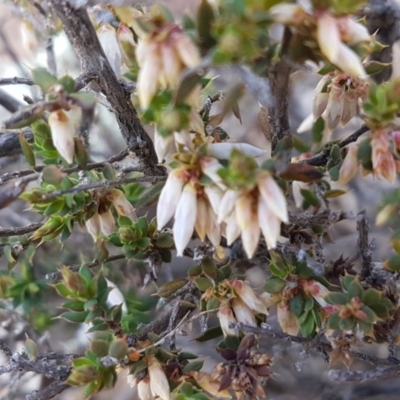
(310, 196)
(333, 321)
(72, 316)
(202, 283)
(209, 334)
(308, 326)
(68, 83)
(73, 305)
(318, 130)
(393, 263)
(370, 297)
(169, 288)
(84, 100)
(355, 289)
(27, 150)
(164, 240)
(336, 298)
(166, 255)
(193, 366)
(347, 324)
(274, 285)
(43, 78)
(277, 271)
(205, 18)
(209, 269)
(297, 304)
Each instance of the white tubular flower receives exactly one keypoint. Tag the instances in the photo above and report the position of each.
(108, 40)
(127, 43)
(93, 226)
(187, 51)
(62, 133)
(214, 195)
(213, 229)
(273, 196)
(169, 197)
(270, 224)
(227, 205)
(328, 37)
(144, 391)
(249, 297)
(171, 64)
(243, 313)
(225, 316)
(287, 320)
(352, 32)
(107, 223)
(159, 385)
(122, 205)
(185, 218)
(201, 223)
(248, 223)
(184, 138)
(150, 70)
(287, 14)
(209, 385)
(232, 230)
(349, 167)
(162, 145)
(223, 151)
(334, 108)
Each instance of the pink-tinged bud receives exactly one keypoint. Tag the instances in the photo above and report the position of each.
(287, 320)
(225, 316)
(28, 36)
(214, 195)
(126, 42)
(159, 385)
(396, 139)
(201, 218)
(227, 204)
(352, 32)
(269, 223)
(222, 151)
(249, 297)
(247, 218)
(148, 77)
(345, 313)
(317, 290)
(232, 230)
(107, 223)
(348, 61)
(361, 315)
(273, 196)
(62, 133)
(243, 313)
(122, 205)
(93, 226)
(328, 37)
(185, 218)
(162, 145)
(108, 40)
(210, 167)
(385, 166)
(187, 51)
(211, 386)
(288, 14)
(144, 391)
(171, 64)
(349, 167)
(169, 197)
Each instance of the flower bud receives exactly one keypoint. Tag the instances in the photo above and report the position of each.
(349, 167)
(62, 133)
(243, 313)
(287, 320)
(144, 391)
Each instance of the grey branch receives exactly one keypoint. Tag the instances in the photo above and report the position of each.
(20, 231)
(363, 244)
(81, 33)
(9, 102)
(363, 376)
(9, 142)
(16, 81)
(48, 392)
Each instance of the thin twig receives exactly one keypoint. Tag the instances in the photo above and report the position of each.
(16, 80)
(48, 392)
(20, 231)
(363, 244)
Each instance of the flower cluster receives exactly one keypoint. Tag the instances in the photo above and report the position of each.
(333, 34)
(238, 303)
(163, 52)
(102, 221)
(337, 97)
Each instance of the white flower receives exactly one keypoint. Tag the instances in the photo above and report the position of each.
(144, 391)
(225, 316)
(159, 385)
(108, 40)
(62, 133)
(162, 145)
(107, 223)
(169, 197)
(223, 151)
(227, 205)
(122, 205)
(243, 313)
(185, 218)
(270, 224)
(93, 226)
(249, 297)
